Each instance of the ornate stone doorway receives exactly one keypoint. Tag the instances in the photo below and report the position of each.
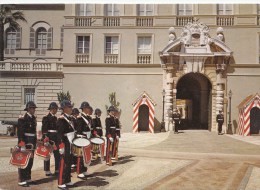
(187, 62)
(195, 89)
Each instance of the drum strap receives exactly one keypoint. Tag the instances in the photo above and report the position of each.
(70, 123)
(86, 121)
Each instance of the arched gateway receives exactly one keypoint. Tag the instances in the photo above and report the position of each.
(194, 75)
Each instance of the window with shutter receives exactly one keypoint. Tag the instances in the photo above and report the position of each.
(32, 38)
(185, 9)
(84, 10)
(145, 9)
(41, 44)
(112, 44)
(19, 38)
(111, 10)
(225, 9)
(49, 38)
(61, 37)
(11, 40)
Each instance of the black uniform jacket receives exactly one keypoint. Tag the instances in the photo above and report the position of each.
(84, 123)
(110, 126)
(26, 124)
(49, 122)
(64, 125)
(97, 126)
(220, 118)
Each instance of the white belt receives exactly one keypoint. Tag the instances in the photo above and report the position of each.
(112, 127)
(29, 134)
(98, 127)
(52, 131)
(118, 129)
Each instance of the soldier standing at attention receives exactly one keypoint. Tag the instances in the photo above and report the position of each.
(110, 133)
(220, 120)
(97, 125)
(84, 122)
(118, 135)
(27, 134)
(65, 128)
(49, 131)
(176, 119)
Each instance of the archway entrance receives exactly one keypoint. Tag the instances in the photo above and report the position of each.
(143, 122)
(254, 120)
(194, 101)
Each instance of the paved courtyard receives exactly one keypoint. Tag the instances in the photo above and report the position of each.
(189, 160)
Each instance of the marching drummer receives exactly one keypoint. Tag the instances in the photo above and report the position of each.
(110, 133)
(118, 135)
(65, 128)
(84, 122)
(27, 134)
(74, 115)
(97, 125)
(49, 131)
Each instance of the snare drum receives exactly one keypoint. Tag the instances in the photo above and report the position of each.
(78, 143)
(96, 142)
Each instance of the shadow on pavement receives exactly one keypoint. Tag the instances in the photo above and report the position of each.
(43, 180)
(124, 160)
(95, 181)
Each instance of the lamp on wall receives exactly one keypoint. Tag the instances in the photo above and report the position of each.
(163, 123)
(229, 130)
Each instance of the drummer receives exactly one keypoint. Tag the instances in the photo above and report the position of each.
(65, 127)
(97, 125)
(27, 134)
(110, 133)
(84, 122)
(49, 131)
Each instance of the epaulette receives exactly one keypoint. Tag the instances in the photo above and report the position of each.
(79, 116)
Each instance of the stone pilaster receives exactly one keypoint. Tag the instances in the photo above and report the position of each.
(169, 99)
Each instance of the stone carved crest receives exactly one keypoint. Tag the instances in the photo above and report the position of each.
(195, 34)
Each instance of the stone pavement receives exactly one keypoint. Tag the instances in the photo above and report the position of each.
(193, 159)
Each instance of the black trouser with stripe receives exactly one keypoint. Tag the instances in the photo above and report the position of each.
(80, 165)
(109, 150)
(220, 127)
(25, 174)
(53, 137)
(65, 165)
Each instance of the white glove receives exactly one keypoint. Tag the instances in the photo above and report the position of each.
(46, 144)
(117, 137)
(61, 150)
(111, 139)
(23, 148)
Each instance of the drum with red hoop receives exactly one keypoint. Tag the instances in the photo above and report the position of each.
(20, 158)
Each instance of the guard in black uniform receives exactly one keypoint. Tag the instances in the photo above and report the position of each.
(220, 120)
(74, 115)
(49, 131)
(177, 120)
(110, 133)
(97, 125)
(65, 129)
(27, 134)
(84, 122)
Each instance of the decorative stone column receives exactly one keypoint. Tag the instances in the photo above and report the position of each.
(169, 99)
(220, 68)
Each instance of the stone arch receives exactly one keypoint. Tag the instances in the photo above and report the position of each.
(40, 24)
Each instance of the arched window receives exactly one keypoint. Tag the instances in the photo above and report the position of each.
(10, 38)
(41, 35)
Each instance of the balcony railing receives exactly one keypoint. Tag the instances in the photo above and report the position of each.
(111, 58)
(82, 58)
(225, 20)
(144, 59)
(144, 21)
(83, 21)
(112, 21)
(183, 20)
(29, 66)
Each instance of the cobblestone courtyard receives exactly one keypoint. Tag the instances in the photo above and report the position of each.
(189, 160)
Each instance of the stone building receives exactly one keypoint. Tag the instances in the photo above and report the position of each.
(195, 53)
